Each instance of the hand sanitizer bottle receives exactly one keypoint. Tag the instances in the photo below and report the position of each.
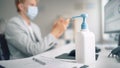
(85, 44)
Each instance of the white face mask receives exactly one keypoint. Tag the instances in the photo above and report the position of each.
(32, 12)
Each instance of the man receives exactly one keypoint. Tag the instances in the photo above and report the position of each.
(24, 37)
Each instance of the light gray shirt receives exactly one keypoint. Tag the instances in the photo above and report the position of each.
(25, 41)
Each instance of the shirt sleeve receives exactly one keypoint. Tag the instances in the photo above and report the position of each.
(53, 40)
(45, 42)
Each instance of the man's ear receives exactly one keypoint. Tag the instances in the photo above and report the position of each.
(21, 7)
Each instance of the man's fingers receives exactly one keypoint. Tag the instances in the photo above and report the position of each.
(68, 20)
(61, 23)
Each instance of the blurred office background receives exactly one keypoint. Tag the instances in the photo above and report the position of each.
(51, 9)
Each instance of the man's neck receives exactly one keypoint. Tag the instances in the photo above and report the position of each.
(27, 20)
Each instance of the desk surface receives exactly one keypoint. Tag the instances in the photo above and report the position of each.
(102, 62)
(47, 57)
(59, 50)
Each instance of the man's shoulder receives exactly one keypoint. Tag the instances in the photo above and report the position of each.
(15, 19)
(14, 23)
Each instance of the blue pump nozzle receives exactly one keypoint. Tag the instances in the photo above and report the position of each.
(84, 24)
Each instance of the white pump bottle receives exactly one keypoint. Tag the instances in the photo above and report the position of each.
(85, 44)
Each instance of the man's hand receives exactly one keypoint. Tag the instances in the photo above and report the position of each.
(59, 27)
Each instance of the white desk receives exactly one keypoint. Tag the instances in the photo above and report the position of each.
(58, 51)
(103, 60)
(47, 57)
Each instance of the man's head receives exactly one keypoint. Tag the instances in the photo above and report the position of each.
(26, 7)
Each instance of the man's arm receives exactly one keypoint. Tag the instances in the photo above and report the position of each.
(17, 37)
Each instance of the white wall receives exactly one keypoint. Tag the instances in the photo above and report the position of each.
(50, 9)
(7, 9)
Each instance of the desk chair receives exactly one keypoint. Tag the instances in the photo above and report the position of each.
(5, 54)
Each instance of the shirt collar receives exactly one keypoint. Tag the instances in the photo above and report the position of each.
(24, 20)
